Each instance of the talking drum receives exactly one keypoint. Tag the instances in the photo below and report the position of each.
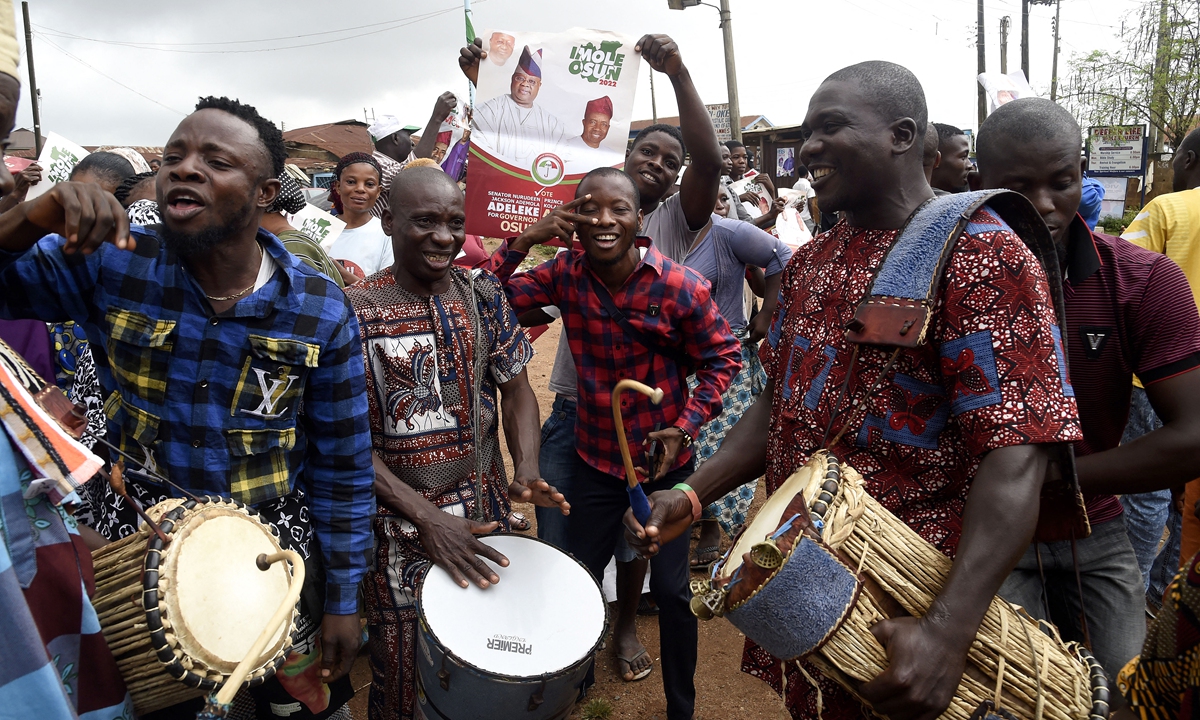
(180, 617)
(808, 580)
(519, 649)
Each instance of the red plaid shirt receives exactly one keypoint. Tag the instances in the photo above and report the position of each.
(663, 300)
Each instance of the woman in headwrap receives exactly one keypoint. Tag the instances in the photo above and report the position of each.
(289, 202)
(363, 246)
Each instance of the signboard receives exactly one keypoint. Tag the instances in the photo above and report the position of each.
(550, 107)
(318, 225)
(720, 121)
(59, 157)
(1117, 150)
(1113, 204)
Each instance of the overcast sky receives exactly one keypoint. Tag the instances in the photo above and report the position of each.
(308, 67)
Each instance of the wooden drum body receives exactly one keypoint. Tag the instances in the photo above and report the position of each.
(810, 579)
(180, 618)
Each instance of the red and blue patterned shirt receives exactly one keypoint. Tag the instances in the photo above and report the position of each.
(661, 299)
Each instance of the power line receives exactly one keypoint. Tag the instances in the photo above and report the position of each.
(178, 47)
(110, 77)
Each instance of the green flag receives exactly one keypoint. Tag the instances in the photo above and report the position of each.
(470, 28)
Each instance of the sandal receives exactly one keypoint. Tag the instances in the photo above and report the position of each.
(713, 552)
(629, 664)
(646, 605)
(517, 522)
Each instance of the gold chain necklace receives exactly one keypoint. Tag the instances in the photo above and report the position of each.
(237, 295)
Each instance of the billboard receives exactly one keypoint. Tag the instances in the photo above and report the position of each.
(1117, 150)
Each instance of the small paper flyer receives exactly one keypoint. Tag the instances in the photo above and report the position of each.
(318, 225)
(59, 157)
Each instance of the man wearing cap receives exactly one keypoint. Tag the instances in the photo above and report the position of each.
(394, 147)
(500, 48)
(583, 151)
(512, 126)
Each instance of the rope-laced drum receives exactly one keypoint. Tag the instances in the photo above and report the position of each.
(179, 617)
(808, 580)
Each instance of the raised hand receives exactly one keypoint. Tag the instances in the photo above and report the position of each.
(468, 60)
(86, 215)
(559, 223)
(661, 52)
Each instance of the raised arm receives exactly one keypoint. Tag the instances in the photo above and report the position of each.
(698, 190)
(442, 108)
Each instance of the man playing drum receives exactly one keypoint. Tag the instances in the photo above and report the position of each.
(438, 341)
(951, 437)
(229, 367)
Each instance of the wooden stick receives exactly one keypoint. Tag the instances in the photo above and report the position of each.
(281, 618)
(655, 395)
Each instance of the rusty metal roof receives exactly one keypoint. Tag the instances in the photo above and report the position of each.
(338, 138)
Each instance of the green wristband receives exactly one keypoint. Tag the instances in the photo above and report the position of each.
(696, 507)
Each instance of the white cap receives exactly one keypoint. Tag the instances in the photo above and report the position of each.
(385, 125)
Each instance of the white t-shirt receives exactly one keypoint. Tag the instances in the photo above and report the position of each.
(365, 246)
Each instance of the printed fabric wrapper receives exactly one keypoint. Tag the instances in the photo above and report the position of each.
(542, 121)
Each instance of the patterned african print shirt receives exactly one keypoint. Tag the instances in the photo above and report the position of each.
(249, 403)
(420, 355)
(991, 376)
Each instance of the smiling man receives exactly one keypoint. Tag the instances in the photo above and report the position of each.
(438, 342)
(1129, 311)
(652, 297)
(966, 474)
(228, 366)
(513, 126)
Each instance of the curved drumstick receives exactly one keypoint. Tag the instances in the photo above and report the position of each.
(281, 618)
(637, 496)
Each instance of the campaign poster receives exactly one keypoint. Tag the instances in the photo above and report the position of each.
(1117, 150)
(59, 157)
(719, 114)
(318, 225)
(549, 108)
(785, 162)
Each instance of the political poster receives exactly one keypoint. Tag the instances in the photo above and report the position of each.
(549, 108)
(719, 114)
(317, 224)
(59, 157)
(785, 162)
(1117, 150)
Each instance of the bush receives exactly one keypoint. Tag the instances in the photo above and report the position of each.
(597, 709)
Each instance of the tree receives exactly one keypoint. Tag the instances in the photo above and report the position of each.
(1154, 78)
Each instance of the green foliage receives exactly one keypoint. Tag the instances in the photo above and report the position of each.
(1112, 225)
(597, 709)
(1153, 76)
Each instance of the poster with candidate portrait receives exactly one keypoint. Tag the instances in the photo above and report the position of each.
(549, 108)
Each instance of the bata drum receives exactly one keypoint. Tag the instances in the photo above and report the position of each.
(517, 650)
(180, 617)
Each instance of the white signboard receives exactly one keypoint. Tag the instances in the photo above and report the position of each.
(1116, 149)
(59, 157)
(720, 121)
(318, 225)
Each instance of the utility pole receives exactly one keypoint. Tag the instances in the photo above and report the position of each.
(1025, 38)
(653, 99)
(982, 62)
(1005, 24)
(33, 89)
(1054, 64)
(735, 112)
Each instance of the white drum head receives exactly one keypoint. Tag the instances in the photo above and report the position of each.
(544, 615)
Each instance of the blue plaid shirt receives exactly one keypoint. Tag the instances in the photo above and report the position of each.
(243, 404)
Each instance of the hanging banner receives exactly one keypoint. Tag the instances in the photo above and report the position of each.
(1117, 150)
(549, 109)
(59, 157)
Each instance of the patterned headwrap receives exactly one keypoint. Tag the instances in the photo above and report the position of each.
(144, 212)
(133, 156)
(531, 62)
(290, 199)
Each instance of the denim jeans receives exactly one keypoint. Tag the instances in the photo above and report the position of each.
(1146, 514)
(559, 464)
(1113, 594)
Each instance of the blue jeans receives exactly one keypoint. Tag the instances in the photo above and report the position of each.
(1113, 595)
(560, 465)
(1146, 514)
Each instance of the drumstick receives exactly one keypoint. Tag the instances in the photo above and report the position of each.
(141, 468)
(224, 696)
(117, 483)
(637, 496)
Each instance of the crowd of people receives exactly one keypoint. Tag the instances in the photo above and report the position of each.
(353, 393)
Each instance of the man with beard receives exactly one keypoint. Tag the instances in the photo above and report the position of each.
(229, 367)
(955, 164)
(513, 126)
(968, 478)
(672, 224)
